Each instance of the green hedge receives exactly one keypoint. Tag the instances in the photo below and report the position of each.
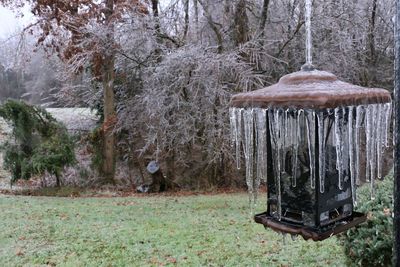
(370, 243)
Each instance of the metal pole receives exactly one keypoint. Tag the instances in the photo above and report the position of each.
(308, 13)
(396, 190)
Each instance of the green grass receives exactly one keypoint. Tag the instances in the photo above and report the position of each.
(148, 231)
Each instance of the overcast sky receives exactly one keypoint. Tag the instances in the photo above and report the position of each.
(9, 23)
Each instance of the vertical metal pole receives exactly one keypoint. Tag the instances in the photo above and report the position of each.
(396, 219)
(308, 13)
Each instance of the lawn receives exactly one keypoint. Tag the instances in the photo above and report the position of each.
(148, 231)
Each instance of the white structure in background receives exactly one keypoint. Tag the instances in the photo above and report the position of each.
(75, 119)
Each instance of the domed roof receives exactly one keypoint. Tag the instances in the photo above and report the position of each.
(310, 89)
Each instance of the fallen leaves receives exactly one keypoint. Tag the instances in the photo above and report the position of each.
(172, 260)
(19, 252)
(127, 203)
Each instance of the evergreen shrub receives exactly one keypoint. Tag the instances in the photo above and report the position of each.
(38, 143)
(370, 243)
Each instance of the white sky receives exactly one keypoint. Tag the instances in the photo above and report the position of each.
(10, 23)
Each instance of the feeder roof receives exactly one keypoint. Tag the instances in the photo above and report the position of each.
(310, 89)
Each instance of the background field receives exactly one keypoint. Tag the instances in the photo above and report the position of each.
(204, 230)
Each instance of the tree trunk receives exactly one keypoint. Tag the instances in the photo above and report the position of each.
(154, 7)
(108, 167)
(372, 59)
(264, 16)
(241, 34)
(170, 162)
(196, 19)
(186, 27)
(241, 23)
(371, 33)
(58, 181)
(109, 120)
(159, 184)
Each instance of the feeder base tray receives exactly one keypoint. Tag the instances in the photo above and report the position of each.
(316, 234)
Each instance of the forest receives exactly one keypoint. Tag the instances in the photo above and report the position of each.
(160, 74)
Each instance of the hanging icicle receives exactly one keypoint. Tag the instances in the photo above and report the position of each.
(321, 151)
(248, 149)
(232, 120)
(388, 116)
(238, 134)
(296, 139)
(380, 143)
(360, 114)
(311, 145)
(339, 145)
(373, 148)
(279, 132)
(369, 129)
(351, 136)
(261, 133)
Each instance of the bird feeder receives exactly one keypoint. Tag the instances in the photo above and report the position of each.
(313, 139)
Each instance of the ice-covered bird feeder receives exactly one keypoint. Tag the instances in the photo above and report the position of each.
(313, 139)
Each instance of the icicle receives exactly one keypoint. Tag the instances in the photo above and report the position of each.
(310, 122)
(384, 134)
(286, 129)
(274, 118)
(321, 150)
(374, 150)
(279, 138)
(301, 138)
(339, 145)
(351, 155)
(381, 128)
(285, 133)
(234, 129)
(330, 140)
(238, 135)
(232, 119)
(290, 126)
(345, 148)
(261, 131)
(359, 119)
(369, 127)
(295, 145)
(249, 151)
(388, 122)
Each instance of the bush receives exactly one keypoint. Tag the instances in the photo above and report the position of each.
(39, 143)
(370, 243)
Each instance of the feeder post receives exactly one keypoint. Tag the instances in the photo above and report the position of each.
(396, 196)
